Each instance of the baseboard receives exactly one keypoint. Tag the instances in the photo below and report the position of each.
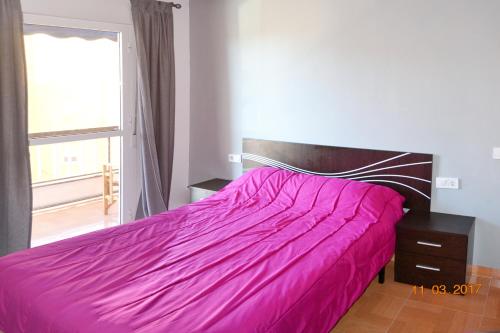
(485, 271)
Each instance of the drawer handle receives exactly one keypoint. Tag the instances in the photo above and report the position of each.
(428, 244)
(428, 268)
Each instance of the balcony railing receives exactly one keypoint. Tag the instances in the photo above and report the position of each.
(82, 183)
(43, 138)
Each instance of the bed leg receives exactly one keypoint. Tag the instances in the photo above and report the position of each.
(381, 275)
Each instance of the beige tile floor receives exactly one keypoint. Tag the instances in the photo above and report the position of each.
(394, 308)
(72, 221)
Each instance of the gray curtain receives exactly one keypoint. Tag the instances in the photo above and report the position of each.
(15, 178)
(154, 33)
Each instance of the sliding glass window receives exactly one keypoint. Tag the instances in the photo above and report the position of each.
(75, 111)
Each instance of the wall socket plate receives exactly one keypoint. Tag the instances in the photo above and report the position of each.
(234, 158)
(496, 153)
(449, 183)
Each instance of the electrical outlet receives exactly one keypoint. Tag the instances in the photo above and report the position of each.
(449, 183)
(234, 158)
(496, 153)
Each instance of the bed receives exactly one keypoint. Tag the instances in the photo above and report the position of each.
(275, 251)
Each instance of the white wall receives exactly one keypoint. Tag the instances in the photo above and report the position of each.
(118, 11)
(405, 75)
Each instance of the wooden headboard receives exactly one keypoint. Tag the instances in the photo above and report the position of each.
(408, 173)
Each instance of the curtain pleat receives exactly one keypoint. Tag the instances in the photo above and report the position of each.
(15, 176)
(154, 33)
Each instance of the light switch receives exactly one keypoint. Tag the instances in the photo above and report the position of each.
(496, 153)
(449, 183)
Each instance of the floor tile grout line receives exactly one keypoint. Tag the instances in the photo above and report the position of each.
(406, 299)
(397, 314)
(466, 312)
(486, 303)
(443, 307)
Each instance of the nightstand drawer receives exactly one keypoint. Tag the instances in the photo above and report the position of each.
(432, 243)
(428, 271)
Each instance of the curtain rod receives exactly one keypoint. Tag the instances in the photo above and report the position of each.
(177, 5)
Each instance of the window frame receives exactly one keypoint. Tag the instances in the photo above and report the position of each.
(129, 185)
(44, 138)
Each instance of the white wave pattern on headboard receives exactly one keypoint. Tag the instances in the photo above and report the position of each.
(351, 174)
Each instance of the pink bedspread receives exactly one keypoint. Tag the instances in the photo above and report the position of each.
(274, 251)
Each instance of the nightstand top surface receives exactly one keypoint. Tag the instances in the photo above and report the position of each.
(440, 222)
(212, 185)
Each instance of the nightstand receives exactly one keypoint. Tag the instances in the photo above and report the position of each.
(205, 189)
(434, 249)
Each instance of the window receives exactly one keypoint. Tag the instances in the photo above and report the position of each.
(79, 142)
(74, 79)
